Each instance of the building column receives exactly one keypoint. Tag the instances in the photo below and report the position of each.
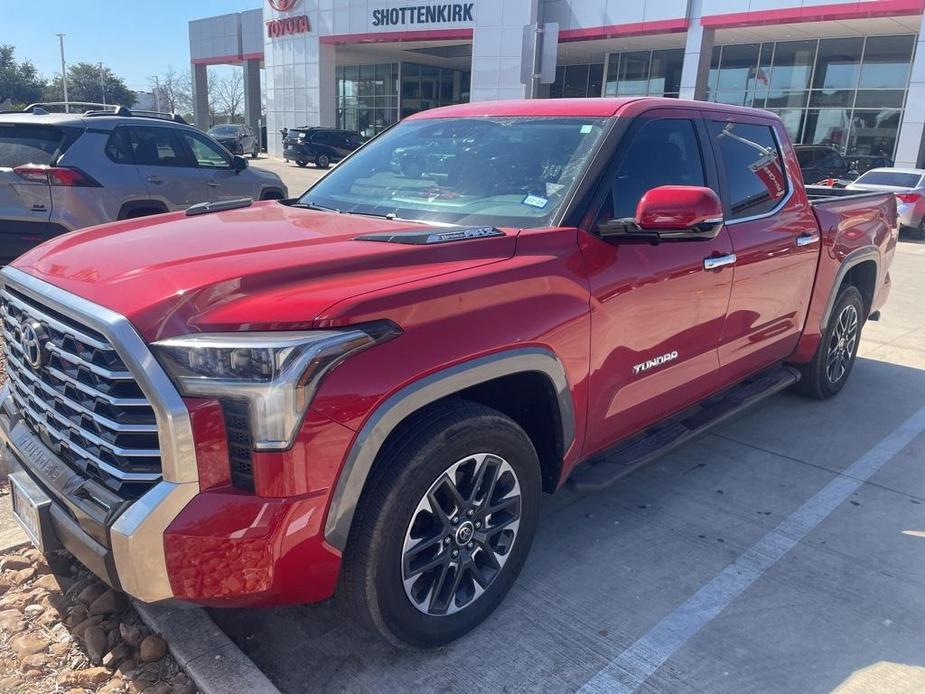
(911, 141)
(201, 96)
(252, 94)
(497, 44)
(698, 52)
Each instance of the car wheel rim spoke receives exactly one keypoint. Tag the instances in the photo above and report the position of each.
(461, 534)
(842, 344)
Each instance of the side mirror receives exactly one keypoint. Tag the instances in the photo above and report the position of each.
(238, 163)
(680, 212)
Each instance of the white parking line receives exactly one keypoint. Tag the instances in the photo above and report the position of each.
(636, 664)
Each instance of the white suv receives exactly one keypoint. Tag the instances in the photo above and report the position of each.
(66, 171)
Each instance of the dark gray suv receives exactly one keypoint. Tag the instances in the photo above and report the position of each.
(66, 171)
(237, 139)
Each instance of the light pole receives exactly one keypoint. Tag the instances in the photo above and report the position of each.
(102, 84)
(67, 108)
(157, 94)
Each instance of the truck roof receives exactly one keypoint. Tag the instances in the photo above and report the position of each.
(590, 107)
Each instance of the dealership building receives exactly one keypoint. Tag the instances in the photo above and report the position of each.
(850, 74)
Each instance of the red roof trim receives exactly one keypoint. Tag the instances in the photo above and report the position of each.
(863, 9)
(661, 26)
(399, 36)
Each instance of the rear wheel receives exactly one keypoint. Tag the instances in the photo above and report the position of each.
(830, 367)
(255, 152)
(322, 161)
(445, 527)
(918, 232)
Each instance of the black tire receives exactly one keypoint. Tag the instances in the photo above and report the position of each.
(452, 435)
(917, 233)
(830, 367)
(303, 164)
(254, 153)
(322, 161)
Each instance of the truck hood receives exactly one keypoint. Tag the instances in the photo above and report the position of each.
(266, 267)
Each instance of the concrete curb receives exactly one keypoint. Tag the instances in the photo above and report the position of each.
(214, 663)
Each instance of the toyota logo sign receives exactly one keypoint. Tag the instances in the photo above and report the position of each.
(32, 339)
(283, 5)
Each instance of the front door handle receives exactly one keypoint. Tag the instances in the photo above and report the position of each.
(213, 184)
(154, 179)
(715, 262)
(807, 239)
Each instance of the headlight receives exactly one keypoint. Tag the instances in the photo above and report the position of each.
(276, 373)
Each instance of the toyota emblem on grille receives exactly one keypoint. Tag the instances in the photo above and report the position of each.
(32, 338)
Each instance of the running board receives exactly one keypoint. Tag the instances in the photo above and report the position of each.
(615, 464)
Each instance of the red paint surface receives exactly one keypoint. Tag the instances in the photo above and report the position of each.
(401, 36)
(602, 307)
(678, 207)
(816, 13)
(660, 26)
(211, 442)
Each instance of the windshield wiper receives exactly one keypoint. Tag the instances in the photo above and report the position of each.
(314, 206)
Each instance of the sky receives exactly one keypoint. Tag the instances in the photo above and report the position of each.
(136, 39)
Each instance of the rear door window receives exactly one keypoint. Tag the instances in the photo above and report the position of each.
(157, 147)
(118, 148)
(29, 144)
(753, 167)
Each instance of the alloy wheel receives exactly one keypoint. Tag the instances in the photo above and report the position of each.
(841, 344)
(461, 534)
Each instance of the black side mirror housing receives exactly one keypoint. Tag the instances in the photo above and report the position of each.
(238, 163)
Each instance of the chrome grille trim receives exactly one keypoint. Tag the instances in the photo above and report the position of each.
(53, 322)
(98, 418)
(172, 419)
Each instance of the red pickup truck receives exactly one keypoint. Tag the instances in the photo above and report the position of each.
(366, 390)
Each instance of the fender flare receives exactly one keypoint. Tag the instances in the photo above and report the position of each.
(372, 435)
(855, 257)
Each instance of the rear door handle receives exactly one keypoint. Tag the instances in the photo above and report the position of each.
(807, 239)
(715, 262)
(156, 180)
(213, 184)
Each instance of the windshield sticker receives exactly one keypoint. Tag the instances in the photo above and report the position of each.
(535, 201)
(585, 129)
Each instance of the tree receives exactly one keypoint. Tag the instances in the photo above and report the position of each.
(227, 99)
(20, 83)
(90, 82)
(173, 91)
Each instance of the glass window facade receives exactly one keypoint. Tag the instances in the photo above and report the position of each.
(847, 92)
(577, 81)
(644, 73)
(371, 97)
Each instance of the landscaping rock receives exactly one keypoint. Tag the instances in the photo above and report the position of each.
(116, 655)
(109, 602)
(91, 592)
(9, 618)
(92, 677)
(152, 648)
(33, 662)
(8, 684)
(23, 575)
(24, 646)
(132, 634)
(15, 562)
(47, 582)
(80, 628)
(96, 643)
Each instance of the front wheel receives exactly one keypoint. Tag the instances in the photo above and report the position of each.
(303, 164)
(322, 161)
(445, 526)
(830, 367)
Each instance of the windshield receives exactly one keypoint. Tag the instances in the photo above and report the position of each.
(895, 179)
(224, 130)
(497, 171)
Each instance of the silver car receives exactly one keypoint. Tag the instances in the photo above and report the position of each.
(66, 171)
(908, 185)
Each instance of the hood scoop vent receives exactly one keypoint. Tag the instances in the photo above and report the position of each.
(429, 237)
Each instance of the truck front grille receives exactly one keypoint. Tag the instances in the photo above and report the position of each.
(77, 395)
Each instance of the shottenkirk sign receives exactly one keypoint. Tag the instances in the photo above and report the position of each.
(423, 14)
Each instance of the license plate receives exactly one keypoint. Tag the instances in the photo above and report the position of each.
(27, 512)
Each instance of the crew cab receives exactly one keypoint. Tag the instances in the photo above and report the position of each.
(365, 390)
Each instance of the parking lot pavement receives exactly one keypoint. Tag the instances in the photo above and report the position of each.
(296, 178)
(783, 552)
